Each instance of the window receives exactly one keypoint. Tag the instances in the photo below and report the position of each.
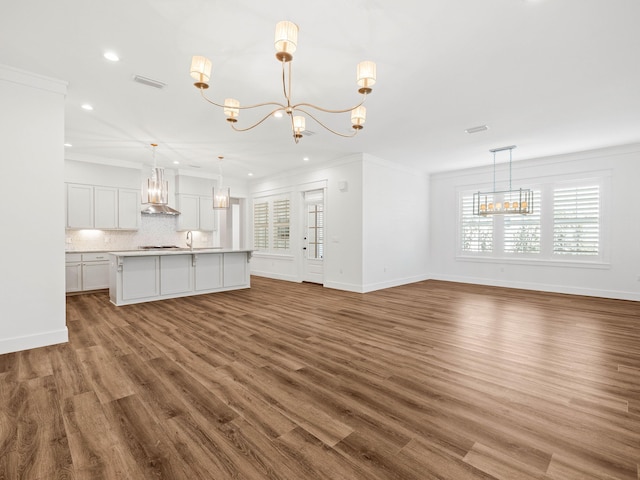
(271, 224)
(522, 232)
(315, 229)
(576, 220)
(476, 231)
(565, 225)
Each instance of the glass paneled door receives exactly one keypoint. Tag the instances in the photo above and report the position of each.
(314, 236)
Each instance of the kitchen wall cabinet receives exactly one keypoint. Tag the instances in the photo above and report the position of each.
(104, 208)
(128, 209)
(86, 271)
(196, 213)
(80, 209)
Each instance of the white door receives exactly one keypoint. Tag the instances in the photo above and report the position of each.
(313, 244)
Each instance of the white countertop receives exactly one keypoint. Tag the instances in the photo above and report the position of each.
(176, 251)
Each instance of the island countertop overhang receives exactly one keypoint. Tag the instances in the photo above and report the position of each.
(177, 251)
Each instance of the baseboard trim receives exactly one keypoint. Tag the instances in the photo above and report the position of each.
(394, 283)
(27, 342)
(542, 287)
(276, 276)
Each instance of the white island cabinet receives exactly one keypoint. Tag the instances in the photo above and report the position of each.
(145, 276)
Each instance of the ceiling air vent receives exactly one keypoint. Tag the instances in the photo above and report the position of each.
(149, 82)
(478, 129)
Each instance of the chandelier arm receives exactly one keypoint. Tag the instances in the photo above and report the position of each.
(279, 105)
(327, 128)
(327, 110)
(258, 122)
(209, 100)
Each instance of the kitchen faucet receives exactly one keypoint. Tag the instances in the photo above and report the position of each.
(190, 239)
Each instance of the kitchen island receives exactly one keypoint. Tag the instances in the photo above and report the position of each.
(137, 276)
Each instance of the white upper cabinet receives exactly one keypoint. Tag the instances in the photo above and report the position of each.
(128, 209)
(80, 208)
(196, 213)
(105, 208)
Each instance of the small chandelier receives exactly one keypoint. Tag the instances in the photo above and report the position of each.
(286, 41)
(157, 191)
(221, 194)
(157, 186)
(505, 202)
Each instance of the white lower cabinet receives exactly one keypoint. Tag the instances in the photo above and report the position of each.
(208, 271)
(73, 272)
(176, 274)
(140, 277)
(235, 269)
(86, 271)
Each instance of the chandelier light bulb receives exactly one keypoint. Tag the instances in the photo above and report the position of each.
(358, 117)
(201, 71)
(231, 109)
(286, 40)
(366, 74)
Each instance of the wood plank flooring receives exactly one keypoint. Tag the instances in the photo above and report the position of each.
(433, 380)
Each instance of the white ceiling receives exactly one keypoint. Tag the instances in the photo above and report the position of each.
(550, 76)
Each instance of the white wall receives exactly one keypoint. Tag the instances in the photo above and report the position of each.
(617, 277)
(370, 243)
(395, 220)
(32, 290)
(343, 223)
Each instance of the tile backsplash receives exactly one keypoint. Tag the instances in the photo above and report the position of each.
(154, 230)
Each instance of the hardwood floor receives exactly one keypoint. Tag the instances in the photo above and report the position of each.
(432, 380)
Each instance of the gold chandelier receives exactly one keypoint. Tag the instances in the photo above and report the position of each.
(503, 202)
(286, 41)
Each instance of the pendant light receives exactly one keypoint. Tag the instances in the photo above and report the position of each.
(221, 194)
(503, 202)
(158, 191)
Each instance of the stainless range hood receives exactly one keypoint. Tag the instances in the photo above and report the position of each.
(159, 209)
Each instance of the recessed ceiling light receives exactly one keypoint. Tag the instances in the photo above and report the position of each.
(278, 114)
(306, 159)
(479, 128)
(68, 145)
(176, 162)
(86, 106)
(250, 174)
(112, 56)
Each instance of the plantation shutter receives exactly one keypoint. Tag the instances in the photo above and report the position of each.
(261, 226)
(281, 219)
(476, 231)
(522, 232)
(576, 220)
